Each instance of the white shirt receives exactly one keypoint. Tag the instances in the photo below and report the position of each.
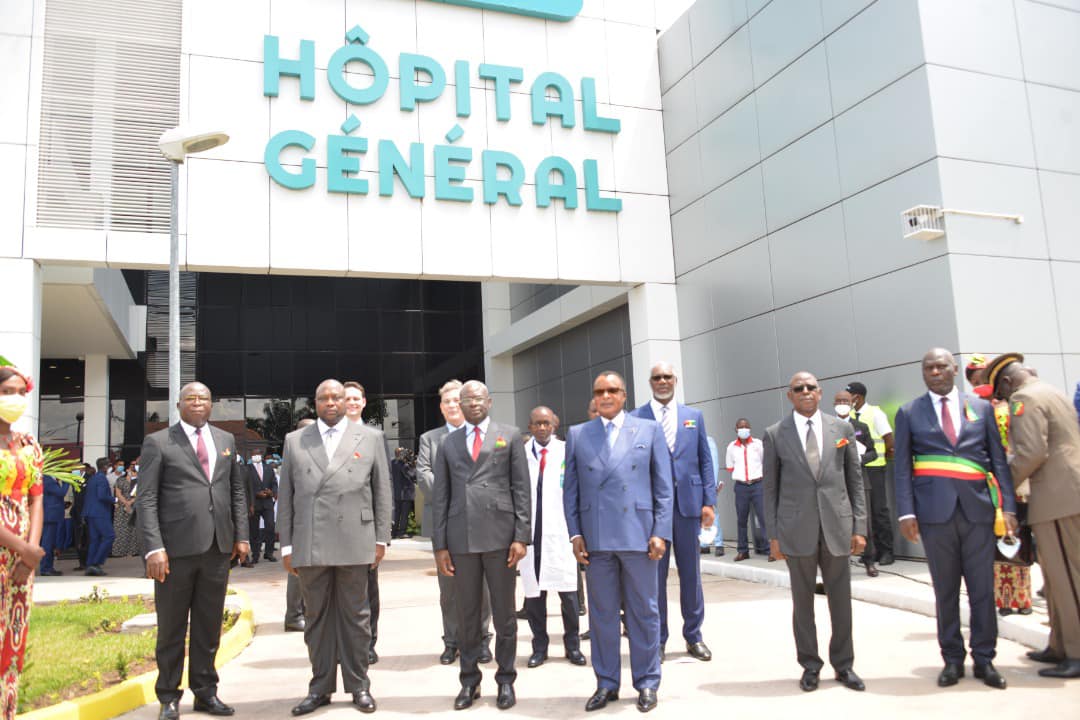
(954, 407)
(742, 457)
(330, 442)
(800, 428)
(451, 428)
(617, 421)
(469, 432)
(876, 421)
(208, 441)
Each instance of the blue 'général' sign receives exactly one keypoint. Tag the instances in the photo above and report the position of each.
(561, 10)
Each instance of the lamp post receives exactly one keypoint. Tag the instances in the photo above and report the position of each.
(175, 145)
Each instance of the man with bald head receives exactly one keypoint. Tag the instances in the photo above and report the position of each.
(815, 515)
(334, 523)
(480, 528)
(692, 475)
(952, 479)
(193, 518)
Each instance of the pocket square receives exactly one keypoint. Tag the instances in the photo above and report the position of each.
(356, 455)
(841, 442)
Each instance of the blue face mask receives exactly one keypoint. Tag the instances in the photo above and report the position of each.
(119, 469)
(743, 433)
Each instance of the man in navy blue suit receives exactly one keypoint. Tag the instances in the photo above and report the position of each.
(695, 494)
(617, 500)
(97, 513)
(54, 492)
(948, 456)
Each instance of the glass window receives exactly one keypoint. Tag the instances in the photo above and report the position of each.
(60, 421)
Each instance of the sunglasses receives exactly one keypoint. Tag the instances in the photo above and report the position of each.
(607, 391)
(804, 388)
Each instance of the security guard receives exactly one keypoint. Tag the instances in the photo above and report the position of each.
(874, 471)
(1045, 442)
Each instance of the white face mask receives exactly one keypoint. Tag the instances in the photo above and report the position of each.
(256, 459)
(743, 433)
(842, 410)
(12, 407)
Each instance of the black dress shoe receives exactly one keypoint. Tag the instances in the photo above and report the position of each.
(50, 573)
(990, 676)
(247, 564)
(79, 568)
(372, 657)
(271, 558)
(699, 650)
(663, 654)
(850, 680)
(212, 705)
(739, 557)
(871, 570)
(576, 657)
(646, 699)
(587, 635)
(809, 680)
(1045, 655)
(485, 656)
(718, 551)
(950, 675)
(449, 655)
(705, 549)
(310, 704)
(170, 710)
(600, 699)
(522, 614)
(537, 659)
(465, 698)
(1066, 669)
(506, 698)
(363, 701)
(297, 626)
(886, 559)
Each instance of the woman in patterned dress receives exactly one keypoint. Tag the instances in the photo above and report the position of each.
(21, 521)
(126, 542)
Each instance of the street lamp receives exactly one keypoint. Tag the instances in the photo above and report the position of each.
(176, 144)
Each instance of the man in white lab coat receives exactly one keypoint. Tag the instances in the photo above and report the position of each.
(549, 562)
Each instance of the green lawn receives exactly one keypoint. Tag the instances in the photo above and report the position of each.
(75, 648)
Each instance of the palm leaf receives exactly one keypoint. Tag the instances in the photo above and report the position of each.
(56, 463)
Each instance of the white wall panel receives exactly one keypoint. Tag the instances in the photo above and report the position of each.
(735, 213)
(712, 22)
(729, 144)
(534, 251)
(680, 113)
(1048, 40)
(724, 77)
(633, 72)
(819, 336)
(801, 179)
(675, 53)
(809, 257)
(794, 102)
(228, 215)
(747, 356)
(978, 35)
(781, 32)
(228, 29)
(742, 285)
(645, 237)
(684, 173)
(230, 98)
(639, 160)
(1060, 193)
(14, 87)
(1066, 297)
(12, 187)
(694, 247)
(309, 230)
(1055, 121)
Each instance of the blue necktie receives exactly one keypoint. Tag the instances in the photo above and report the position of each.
(610, 429)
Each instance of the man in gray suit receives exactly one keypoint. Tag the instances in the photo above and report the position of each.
(480, 530)
(450, 406)
(193, 518)
(334, 522)
(815, 514)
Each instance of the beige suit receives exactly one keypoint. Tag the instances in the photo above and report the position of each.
(1045, 438)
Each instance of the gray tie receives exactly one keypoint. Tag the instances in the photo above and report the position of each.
(813, 455)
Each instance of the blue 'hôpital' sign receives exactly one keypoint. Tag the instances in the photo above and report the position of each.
(561, 10)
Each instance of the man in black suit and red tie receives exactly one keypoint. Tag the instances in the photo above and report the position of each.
(952, 486)
(192, 516)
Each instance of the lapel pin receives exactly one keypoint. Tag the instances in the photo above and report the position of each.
(969, 414)
(689, 423)
(226, 452)
(500, 442)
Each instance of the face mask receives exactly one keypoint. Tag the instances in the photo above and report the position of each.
(135, 468)
(983, 391)
(743, 433)
(119, 469)
(256, 459)
(842, 410)
(12, 407)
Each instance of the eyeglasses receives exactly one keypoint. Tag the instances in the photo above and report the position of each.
(601, 392)
(658, 378)
(804, 388)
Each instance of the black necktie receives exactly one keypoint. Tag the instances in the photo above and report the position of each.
(538, 524)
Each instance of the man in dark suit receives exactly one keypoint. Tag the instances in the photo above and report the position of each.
(97, 514)
(450, 407)
(334, 522)
(948, 454)
(192, 517)
(480, 530)
(695, 495)
(617, 498)
(54, 492)
(264, 490)
(815, 515)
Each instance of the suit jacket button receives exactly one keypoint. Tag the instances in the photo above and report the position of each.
(211, 508)
(624, 509)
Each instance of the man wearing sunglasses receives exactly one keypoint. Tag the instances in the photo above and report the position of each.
(692, 477)
(815, 514)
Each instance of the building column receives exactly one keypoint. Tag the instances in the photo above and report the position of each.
(498, 370)
(96, 408)
(654, 335)
(20, 339)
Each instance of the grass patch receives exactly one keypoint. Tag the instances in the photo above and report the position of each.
(76, 648)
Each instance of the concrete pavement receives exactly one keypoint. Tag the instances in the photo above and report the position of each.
(747, 625)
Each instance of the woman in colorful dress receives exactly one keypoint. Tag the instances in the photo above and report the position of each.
(126, 542)
(21, 522)
(1012, 576)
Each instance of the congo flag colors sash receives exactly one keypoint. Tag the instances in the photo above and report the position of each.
(959, 468)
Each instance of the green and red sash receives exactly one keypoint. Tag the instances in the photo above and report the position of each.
(958, 468)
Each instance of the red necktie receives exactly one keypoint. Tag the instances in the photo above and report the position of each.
(476, 443)
(946, 421)
(200, 452)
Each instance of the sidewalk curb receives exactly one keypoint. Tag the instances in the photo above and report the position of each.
(138, 691)
(1007, 629)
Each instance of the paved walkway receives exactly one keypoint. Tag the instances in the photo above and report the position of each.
(748, 627)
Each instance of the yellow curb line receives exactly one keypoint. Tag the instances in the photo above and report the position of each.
(138, 691)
